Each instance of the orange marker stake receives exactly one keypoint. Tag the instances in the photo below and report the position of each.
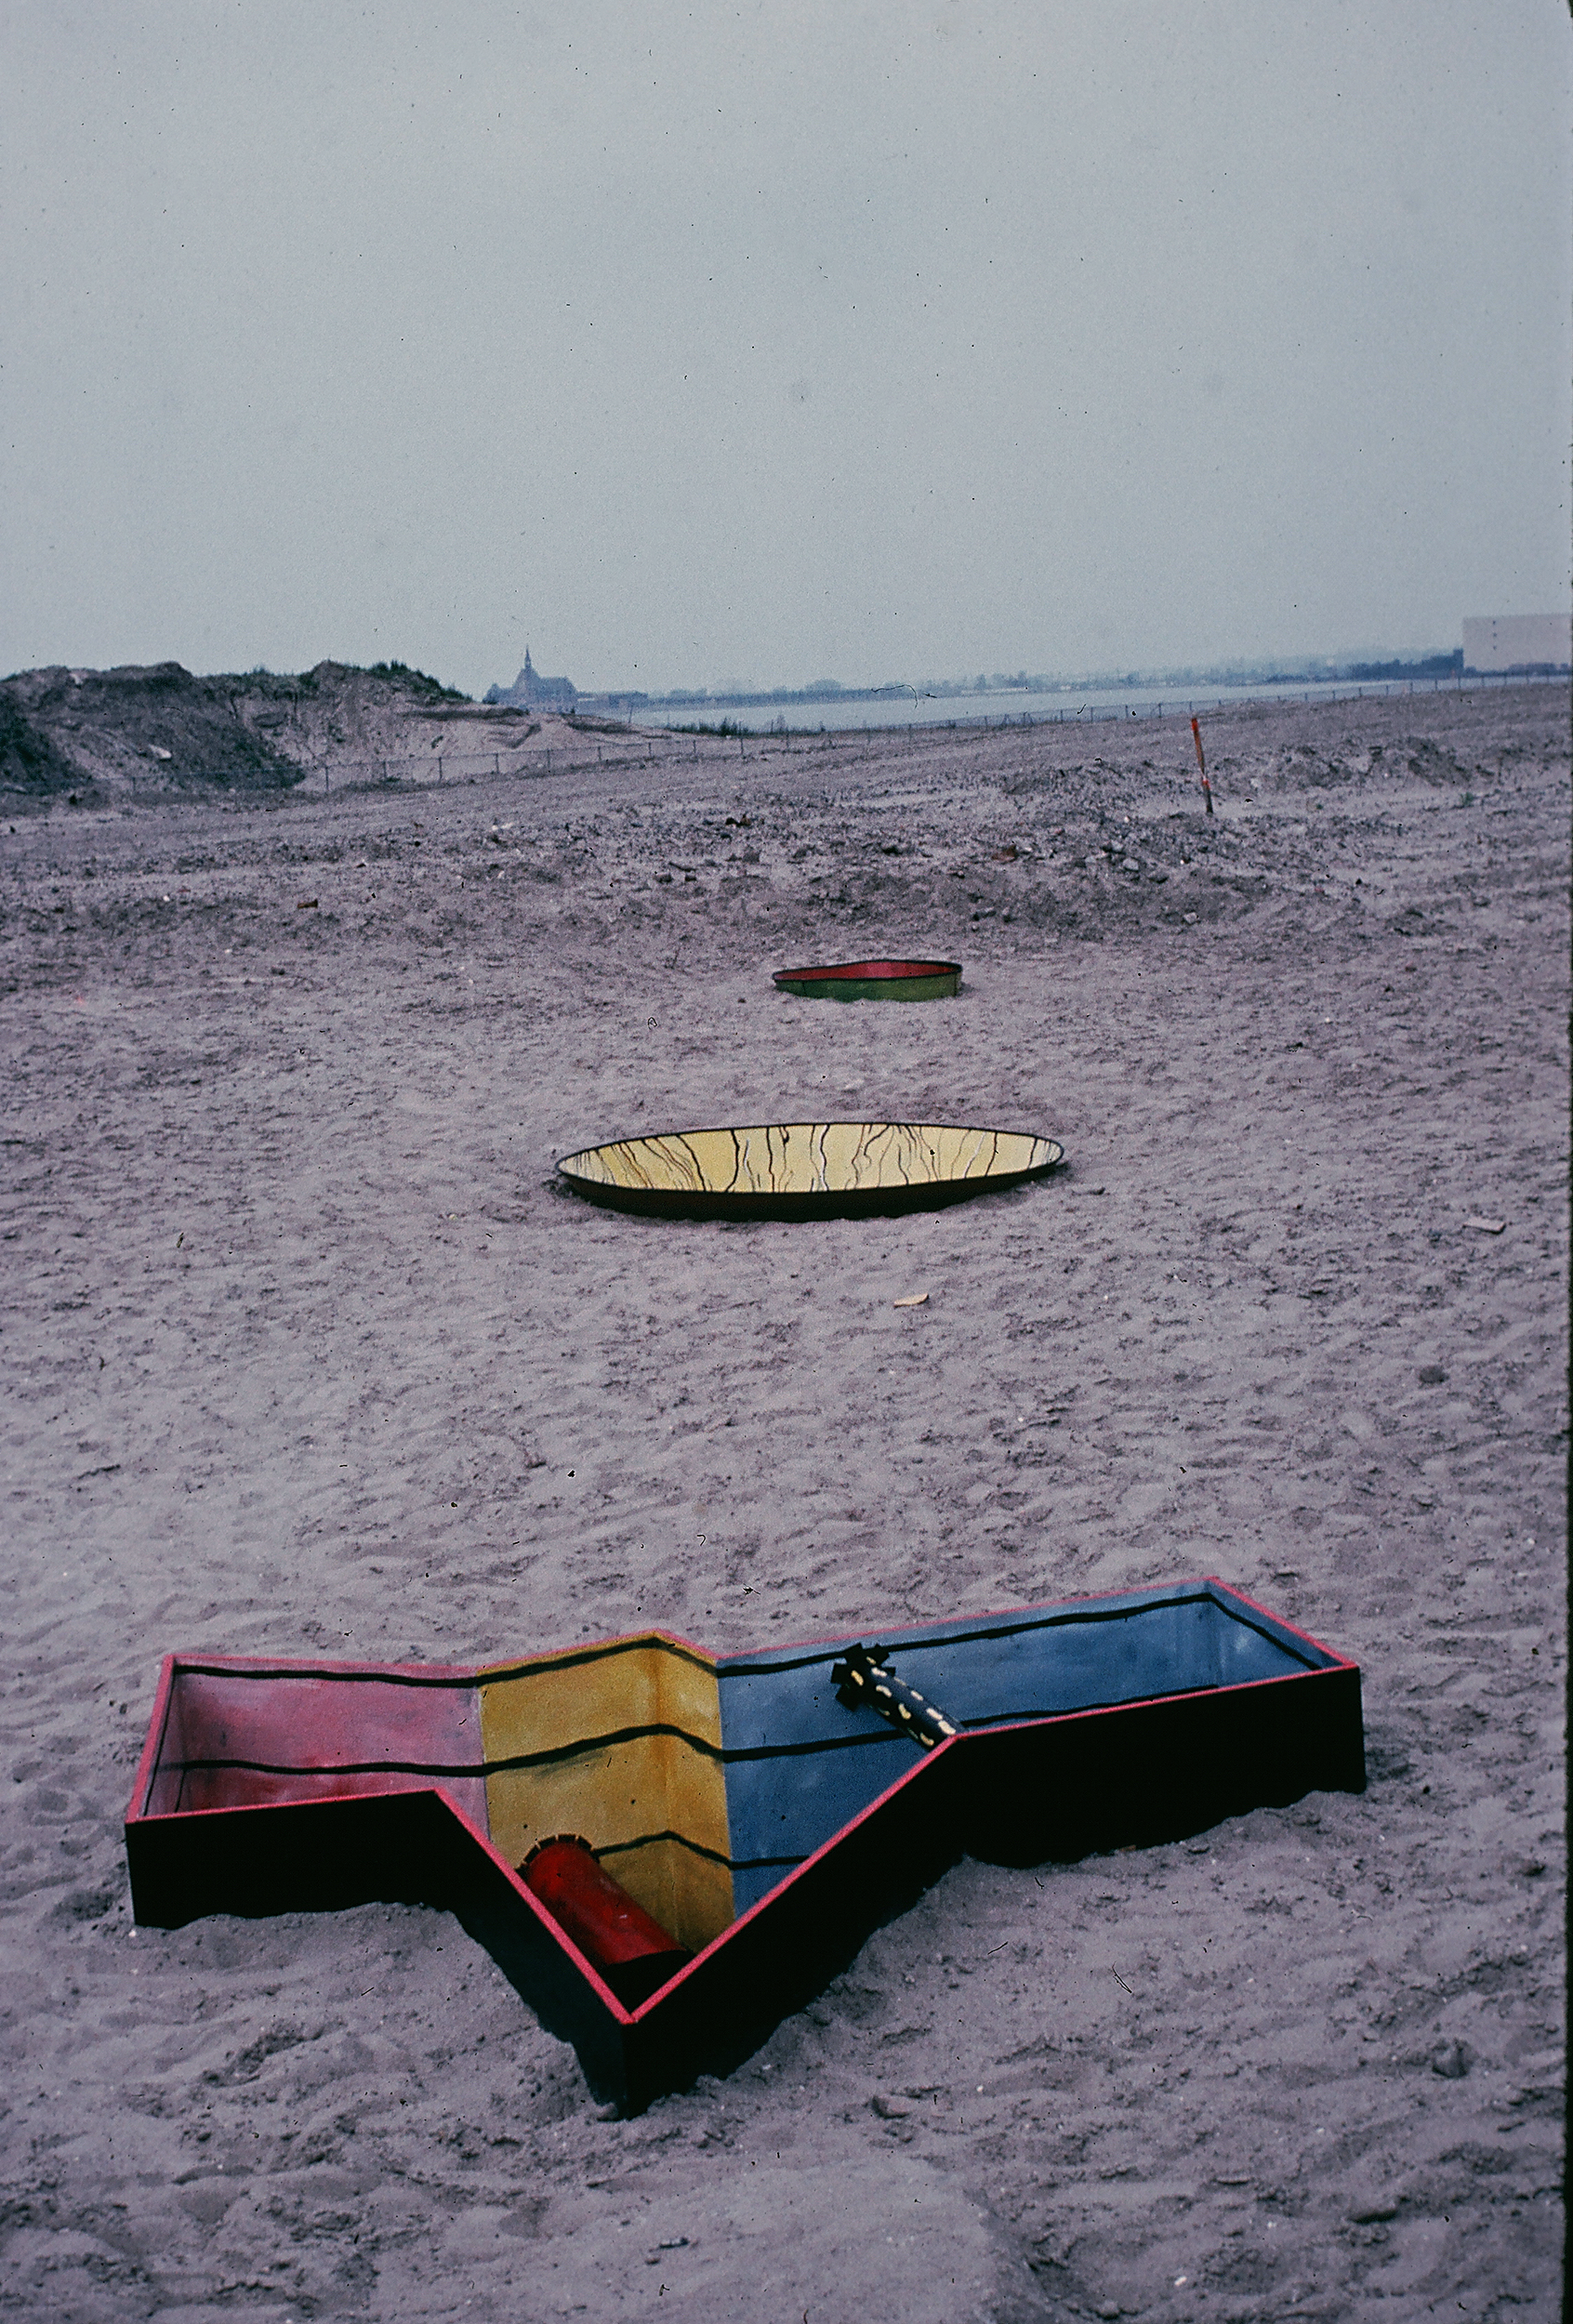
(1207, 788)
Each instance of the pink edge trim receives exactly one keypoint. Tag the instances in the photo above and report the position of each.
(1344, 1662)
(152, 1742)
(1143, 1702)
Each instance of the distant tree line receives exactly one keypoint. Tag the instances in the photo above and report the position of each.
(1433, 665)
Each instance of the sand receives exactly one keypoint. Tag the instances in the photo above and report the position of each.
(304, 1353)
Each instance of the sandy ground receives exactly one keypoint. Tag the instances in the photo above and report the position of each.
(303, 1353)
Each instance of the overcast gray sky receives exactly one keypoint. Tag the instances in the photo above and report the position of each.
(705, 344)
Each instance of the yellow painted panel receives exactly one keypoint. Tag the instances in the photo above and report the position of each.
(634, 1789)
(690, 1894)
(540, 1706)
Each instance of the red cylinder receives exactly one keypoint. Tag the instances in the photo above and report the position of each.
(633, 1953)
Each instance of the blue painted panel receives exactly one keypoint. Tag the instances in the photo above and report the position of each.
(787, 1807)
(1029, 1665)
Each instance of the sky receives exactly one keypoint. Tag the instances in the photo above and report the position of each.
(715, 345)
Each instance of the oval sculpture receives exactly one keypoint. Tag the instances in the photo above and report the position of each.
(873, 979)
(806, 1170)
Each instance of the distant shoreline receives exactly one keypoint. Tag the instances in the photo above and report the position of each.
(827, 693)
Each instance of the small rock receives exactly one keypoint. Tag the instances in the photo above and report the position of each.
(892, 2110)
(1432, 1376)
(1366, 2210)
(1452, 2060)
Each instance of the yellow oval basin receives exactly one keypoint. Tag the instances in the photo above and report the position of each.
(806, 1170)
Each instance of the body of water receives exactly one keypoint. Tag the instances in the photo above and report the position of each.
(1087, 704)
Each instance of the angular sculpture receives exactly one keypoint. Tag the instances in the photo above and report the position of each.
(745, 1813)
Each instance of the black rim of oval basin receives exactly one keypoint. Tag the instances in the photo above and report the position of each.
(806, 1170)
(873, 979)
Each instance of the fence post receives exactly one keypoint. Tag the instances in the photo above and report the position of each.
(439, 766)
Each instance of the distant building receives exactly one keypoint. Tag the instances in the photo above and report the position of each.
(1519, 641)
(532, 691)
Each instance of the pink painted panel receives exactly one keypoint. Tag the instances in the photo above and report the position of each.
(238, 1738)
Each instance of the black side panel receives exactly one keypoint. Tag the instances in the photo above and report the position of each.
(407, 1848)
(1159, 1771)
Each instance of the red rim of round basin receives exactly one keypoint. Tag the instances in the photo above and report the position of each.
(869, 970)
(873, 979)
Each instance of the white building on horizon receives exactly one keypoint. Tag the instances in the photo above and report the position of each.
(534, 692)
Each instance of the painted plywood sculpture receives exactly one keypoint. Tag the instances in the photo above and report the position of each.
(872, 980)
(667, 1850)
(807, 1170)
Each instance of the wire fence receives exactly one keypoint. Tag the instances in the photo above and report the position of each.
(653, 746)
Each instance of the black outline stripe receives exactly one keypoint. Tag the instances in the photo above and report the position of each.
(480, 1770)
(469, 1771)
(471, 1679)
(654, 1838)
(577, 1656)
(324, 1673)
(729, 1669)
(608, 1741)
(970, 1637)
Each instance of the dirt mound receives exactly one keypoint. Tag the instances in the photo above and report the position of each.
(1419, 759)
(158, 729)
(99, 731)
(28, 760)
